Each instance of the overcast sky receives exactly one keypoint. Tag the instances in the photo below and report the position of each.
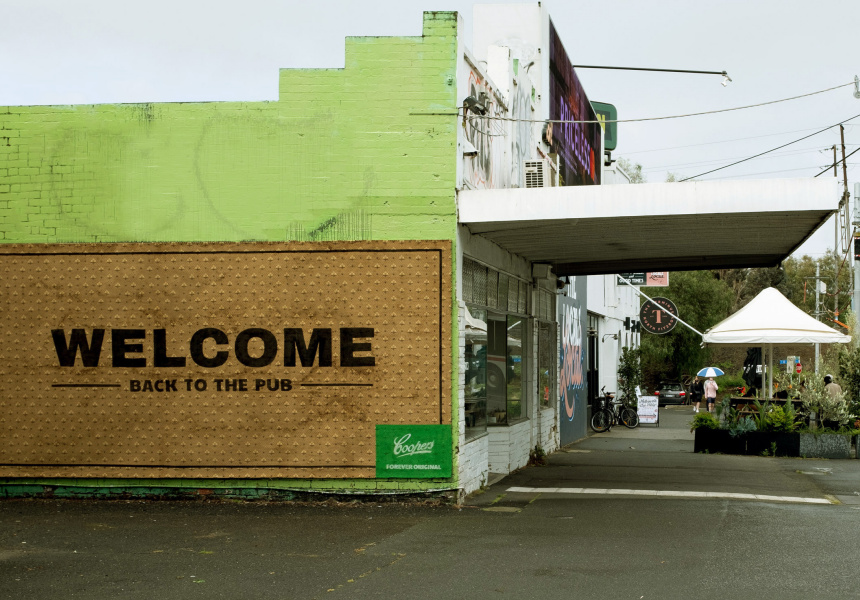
(97, 51)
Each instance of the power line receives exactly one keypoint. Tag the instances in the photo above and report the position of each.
(758, 173)
(837, 162)
(754, 137)
(709, 112)
(771, 150)
(720, 160)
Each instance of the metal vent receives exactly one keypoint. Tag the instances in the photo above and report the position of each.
(538, 174)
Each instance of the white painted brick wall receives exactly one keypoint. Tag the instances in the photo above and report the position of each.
(474, 465)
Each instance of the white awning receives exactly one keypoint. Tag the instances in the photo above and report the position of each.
(771, 318)
(584, 230)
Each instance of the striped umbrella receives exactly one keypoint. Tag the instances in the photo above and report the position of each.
(710, 372)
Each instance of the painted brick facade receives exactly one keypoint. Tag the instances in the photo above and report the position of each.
(338, 157)
(343, 154)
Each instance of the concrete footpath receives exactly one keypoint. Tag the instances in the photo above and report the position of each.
(625, 514)
(660, 459)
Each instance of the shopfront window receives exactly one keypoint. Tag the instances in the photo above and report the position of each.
(496, 348)
(547, 353)
(516, 405)
(476, 371)
(497, 403)
(547, 348)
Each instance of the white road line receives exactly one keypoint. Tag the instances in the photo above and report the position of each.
(668, 494)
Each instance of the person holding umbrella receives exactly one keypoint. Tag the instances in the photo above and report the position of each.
(711, 386)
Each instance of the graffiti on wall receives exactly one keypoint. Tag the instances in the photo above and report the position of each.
(488, 135)
(572, 388)
(522, 138)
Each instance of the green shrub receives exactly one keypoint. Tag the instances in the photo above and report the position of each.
(728, 413)
(780, 419)
(705, 420)
(728, 383)
(743, 425)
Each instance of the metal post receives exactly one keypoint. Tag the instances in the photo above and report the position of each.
(817, 314)
(770, 371)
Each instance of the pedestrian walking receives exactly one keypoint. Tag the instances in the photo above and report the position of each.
(711, 388)
(697, 391)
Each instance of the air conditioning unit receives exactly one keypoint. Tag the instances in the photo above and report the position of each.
(539, 174)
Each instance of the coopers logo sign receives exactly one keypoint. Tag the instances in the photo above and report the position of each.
(412, 451)
(219, 360)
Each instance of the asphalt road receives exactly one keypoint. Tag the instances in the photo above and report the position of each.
(627, 514)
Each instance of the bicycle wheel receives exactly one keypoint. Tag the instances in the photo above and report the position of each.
(601, 420)
(629, 417)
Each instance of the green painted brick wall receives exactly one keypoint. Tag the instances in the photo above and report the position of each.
(339, 156)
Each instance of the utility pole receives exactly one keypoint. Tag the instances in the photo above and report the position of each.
(856, 224)
(836, 216)
(844, 164)
(845, 232)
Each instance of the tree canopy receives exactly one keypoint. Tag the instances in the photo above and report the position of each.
(704, 298)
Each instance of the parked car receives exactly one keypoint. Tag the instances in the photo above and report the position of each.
(670, 392)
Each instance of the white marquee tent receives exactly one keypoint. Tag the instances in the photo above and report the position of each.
(770, 318)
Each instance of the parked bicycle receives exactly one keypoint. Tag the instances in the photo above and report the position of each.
(609, 412)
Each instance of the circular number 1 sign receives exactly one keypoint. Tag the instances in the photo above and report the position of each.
(655, 320)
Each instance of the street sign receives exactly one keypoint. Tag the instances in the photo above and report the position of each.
(799, 367)
(656, 279)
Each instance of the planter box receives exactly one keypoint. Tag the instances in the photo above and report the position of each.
(825, 445)
(761, 442)
(718, 441)
(756, 443)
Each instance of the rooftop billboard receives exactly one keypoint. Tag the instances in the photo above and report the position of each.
(577, 144)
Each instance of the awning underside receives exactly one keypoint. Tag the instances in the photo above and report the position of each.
(652, 227)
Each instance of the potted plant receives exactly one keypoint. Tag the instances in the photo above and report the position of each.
(775, 434)
(824, 442)
(709, 436)
(629, 374)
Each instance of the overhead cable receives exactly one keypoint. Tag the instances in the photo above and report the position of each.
(836, 163)
(717, 161)
(754, 137)
(709, 112)
(771, 150)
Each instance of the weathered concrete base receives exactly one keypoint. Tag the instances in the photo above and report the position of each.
(24, 489)
(806, 445)
(825, 446)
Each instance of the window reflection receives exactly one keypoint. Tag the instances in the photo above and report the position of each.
(476, 371)
(497, 409)
(546, 363)
(514, 374)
